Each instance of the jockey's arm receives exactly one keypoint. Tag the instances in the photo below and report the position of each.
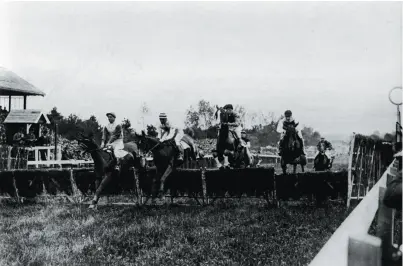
(248, 144)
(103, 140)
(279, 128)
(237, 121)
(117, 134)
(174, 133)
(163, 134)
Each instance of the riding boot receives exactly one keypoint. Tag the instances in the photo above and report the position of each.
(180, 154)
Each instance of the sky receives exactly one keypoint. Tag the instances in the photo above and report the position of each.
(332, 63)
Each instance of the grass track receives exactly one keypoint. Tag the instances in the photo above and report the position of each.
(242, 232)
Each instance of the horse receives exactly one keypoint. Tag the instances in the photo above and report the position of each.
(164, 154)
(105, 162)
(237, 157)
(292, 151)
(322, 162)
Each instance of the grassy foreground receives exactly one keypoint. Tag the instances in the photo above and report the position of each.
(230, 233)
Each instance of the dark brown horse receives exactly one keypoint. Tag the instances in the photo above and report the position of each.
(105, 162)
(292, 151)
(164, 154)
(226, 146)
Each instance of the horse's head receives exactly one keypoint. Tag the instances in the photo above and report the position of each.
(87, 142)
(321, 147)
(145, 143)
(291, 137)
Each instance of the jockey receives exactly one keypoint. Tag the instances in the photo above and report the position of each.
(232, 119)
(112, 137)
(328, 147)
(282, 125)
(168, 132)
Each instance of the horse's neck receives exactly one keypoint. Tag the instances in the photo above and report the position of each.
(97, 157)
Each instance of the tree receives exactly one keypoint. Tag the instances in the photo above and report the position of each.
(242, 113)
(144, 112)
(70, 127)
(206, 114)
(128, 131)
(192, 118)
(92, 126)
(152, 131)
(311, 137)
(54, 116)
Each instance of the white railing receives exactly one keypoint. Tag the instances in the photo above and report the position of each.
(351, 244)
(50, 150)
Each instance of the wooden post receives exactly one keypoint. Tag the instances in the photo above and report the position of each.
(360, 176)
(371, 178)
(56, 140)
(203, 178)
(137, 185)
(9, 157)
(25, 102)
(9, 103)
(385, 225)
(350, 165)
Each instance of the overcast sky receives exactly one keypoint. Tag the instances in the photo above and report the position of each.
(331, 63)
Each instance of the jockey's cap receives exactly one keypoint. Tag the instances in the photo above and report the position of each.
(111, 114)
(163, 115)
(228, 106)
(288, 113)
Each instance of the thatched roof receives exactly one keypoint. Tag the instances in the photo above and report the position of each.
(12, 84)
(26, 117)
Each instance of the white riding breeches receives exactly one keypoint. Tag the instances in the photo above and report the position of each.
(118, 146)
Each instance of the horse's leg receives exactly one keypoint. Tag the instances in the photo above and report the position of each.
(295, 168)
(167, 172)
(302, 168)
(101, 187)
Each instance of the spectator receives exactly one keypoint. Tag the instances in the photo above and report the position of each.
(31, 138)
(18, 138)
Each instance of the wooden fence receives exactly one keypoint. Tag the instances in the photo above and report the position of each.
(368, 159)
(201, 183)
(351, 244)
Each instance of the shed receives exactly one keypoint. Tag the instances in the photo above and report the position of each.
(24, 118)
